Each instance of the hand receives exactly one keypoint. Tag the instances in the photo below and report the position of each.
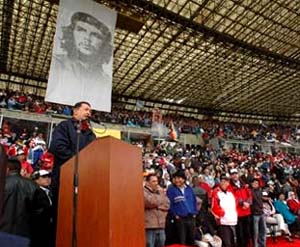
(160, 189)
(24, 172)
(246, 205)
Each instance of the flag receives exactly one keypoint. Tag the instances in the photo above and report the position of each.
(174, 133)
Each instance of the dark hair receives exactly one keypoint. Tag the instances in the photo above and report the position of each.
(80, 103)
(14, 165)
(35, 175)
(224, 176)
(67, 41)
(255, 180)
(180, 174)
(149, 176)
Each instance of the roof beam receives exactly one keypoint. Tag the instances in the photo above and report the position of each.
(200, 110)
(217, 36)
(5, 31)
(131, 23)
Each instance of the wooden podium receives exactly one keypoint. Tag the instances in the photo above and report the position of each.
(110, 197)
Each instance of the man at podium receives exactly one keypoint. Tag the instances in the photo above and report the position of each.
(64, 137)
(64, 141)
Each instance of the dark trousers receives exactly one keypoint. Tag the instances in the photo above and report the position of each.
(185, 230)
(55, 191)
(171, 236)
(228, 235)
(243, 231)
(295, 227)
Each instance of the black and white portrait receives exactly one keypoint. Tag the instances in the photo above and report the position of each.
(81, 66)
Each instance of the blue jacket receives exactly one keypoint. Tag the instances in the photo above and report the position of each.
(182, 205)
(284, 210)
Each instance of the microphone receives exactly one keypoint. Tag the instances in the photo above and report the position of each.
(78, 126)
(82, 123)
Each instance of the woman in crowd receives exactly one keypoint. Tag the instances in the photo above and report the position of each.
(291, 219)
(273, 218)
(293, 203)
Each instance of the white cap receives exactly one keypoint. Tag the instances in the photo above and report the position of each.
(233, 170)
(43, 172)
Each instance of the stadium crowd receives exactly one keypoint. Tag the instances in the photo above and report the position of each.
(274, 200)
(208, 128)
(194, 195)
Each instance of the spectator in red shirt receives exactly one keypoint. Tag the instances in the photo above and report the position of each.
(293, 203)
(224, 209)
(243, 198)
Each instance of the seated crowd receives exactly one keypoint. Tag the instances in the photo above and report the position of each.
(207, 128)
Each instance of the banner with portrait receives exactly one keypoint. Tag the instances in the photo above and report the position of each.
(82, 58)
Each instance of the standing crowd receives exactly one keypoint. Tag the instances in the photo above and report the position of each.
(227, 198)
(195, 196)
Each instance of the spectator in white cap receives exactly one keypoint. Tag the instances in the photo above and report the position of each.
(224, 209)
(44, 229)
(243, 197)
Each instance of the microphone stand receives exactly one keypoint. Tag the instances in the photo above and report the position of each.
(75, 186)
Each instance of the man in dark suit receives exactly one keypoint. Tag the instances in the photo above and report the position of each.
(64, 143)
(3, 160)
(43, 225)
(64, 138)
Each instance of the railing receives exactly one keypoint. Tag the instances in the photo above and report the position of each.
(50, 120)
(266, 147)
(46, 123)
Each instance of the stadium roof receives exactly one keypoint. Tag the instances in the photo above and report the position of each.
(238, 57)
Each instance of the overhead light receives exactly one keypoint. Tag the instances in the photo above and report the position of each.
(180, 101)
(169, 100)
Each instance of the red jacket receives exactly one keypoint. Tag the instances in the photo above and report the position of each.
(207, 188)
(242, 194)
(294, 206)
(223, 206)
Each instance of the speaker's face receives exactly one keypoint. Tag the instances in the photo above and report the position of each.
(83, 112)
